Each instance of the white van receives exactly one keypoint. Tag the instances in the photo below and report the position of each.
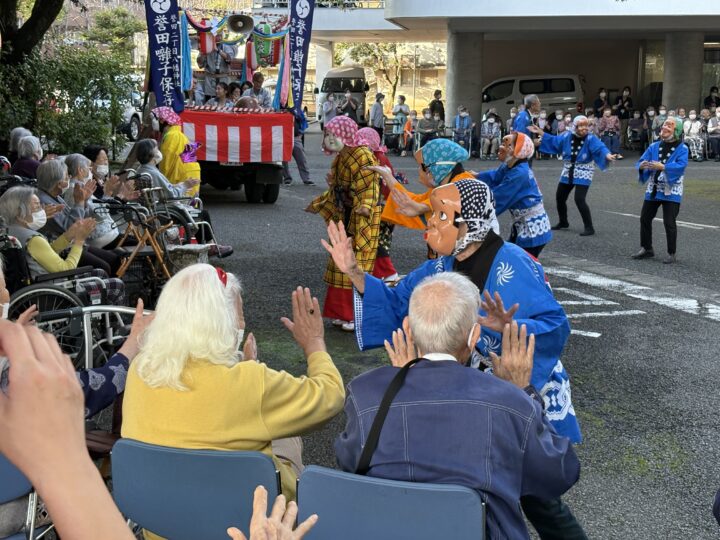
(556, 92)
(336, 82)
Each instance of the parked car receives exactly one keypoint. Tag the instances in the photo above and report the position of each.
(337, 81)
(132, 116)
(555, 92)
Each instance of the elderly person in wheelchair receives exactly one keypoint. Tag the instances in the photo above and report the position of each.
(53, 181)
(149, 156)
(24, 215)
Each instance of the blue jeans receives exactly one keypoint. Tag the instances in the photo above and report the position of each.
(612, 142)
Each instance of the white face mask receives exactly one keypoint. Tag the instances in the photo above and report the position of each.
(5, 310)
(568, 119)
(558, 114)
(512, 115)
(602, 95)
(158, 156)
(636, 116)
(692, 116)
(543, 115)
(103, 170)
(331, 98)
(463, 114)
(39, 220)
(427, 116)
(491, 120)
(607, 113)
(663, 112)
(651, 113)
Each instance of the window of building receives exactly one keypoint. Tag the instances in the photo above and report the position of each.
(406, 77)
(499, 90)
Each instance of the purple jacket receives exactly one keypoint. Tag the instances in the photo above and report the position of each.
(25, 167)
(456, 425)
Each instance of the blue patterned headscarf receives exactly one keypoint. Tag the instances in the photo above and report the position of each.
(440, 157)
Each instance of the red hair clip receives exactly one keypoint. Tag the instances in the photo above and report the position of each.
(222, 275)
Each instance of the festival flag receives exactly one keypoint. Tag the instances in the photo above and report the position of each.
(165, 52)
(301, 17)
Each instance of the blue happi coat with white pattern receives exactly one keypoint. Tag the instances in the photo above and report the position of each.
(518, 278)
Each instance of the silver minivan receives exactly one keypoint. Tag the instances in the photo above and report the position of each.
(555, 92)
(336, 82)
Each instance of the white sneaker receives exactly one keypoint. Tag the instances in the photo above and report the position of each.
(348, 326)
(338, 322)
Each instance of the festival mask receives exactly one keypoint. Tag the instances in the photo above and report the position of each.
(442, 228)
(331, 143)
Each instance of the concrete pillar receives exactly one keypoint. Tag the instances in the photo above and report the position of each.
(323, 60)
(464, 73)
(684, 56)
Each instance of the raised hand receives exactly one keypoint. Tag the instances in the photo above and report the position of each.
(385, 173)
(340, 247)
(402, 349)
(52, 210)
(306, 325)
(140, 323)
(279, 526)
(497, 316)
(250, 350)
(408, 207)
(516, 363)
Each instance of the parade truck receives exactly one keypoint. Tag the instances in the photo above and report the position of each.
(239, 148)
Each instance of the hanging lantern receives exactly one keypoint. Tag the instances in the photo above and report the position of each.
(207, 39)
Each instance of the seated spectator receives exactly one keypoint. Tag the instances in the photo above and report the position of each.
(705, 119)
(408, 137)
(427, 127)
(99, 166)
(234, 91)
(15, 135)
(257, 91)
(29, 155)
(489, 137)
(609, 129)
(177, 156)
(506, 448)
(196, 390)
(713, 131)
(509, 121)
(223, 99)
(148, 155)
(712, 101)
(462, 127)
(680, 114)
(637, 126)
(22, 211)
(693, 131)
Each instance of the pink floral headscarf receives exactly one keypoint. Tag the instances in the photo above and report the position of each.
(167, 115)
(367, 136)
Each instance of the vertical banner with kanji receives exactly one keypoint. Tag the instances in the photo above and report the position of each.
(165, 52)
(301, 16)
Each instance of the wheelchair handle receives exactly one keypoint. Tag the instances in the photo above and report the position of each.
(80, 311)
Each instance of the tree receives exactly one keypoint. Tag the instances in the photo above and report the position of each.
(382, 57)
(115, 28)
(19, 41)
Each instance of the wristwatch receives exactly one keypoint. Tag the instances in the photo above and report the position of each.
(530, 391)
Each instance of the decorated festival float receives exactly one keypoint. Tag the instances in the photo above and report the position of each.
(236, 146)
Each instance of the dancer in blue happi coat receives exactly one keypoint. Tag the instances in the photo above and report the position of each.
(662, 167)
(580, 151)
(460, 230)
(515, 189)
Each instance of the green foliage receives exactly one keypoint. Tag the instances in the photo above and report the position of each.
(71, 99)
(114, 28)
(382, 57)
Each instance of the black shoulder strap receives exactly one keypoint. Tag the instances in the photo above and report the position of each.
(374, 436)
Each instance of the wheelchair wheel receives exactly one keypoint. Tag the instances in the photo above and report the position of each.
(52, 298)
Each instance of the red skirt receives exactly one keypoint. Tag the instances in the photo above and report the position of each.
(383, 268)
(339, 304)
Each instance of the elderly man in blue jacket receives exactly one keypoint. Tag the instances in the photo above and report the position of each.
(449, 424)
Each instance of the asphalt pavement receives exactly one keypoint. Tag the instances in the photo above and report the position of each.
(642, 358)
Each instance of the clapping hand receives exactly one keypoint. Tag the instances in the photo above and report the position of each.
(406, 206)
(340, 247)
(497, 316)
(306, 325)
(81, 229)
(279, 526)
(402, 349)
(250, 350)
(52, 210)
(140, 323)
(516, 363)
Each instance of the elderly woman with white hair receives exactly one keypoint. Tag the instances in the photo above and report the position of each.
(15, 135)
(30, 153)
(195, 390)
(580, 151)
(21, 209)
(53, 181)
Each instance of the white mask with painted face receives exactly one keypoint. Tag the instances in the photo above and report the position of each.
(332, 143)
(39, 219)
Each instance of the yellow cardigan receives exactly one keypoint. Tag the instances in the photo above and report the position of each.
(244, 407)
(172, 166)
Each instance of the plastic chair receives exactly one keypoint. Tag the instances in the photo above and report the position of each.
(354, 507)
(189, 494)
(13, 485)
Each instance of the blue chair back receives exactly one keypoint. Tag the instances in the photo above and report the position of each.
(13, 483)
(354, 507)
(189, 494)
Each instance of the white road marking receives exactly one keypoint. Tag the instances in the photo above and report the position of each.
(605, 314)
(640, 292)
(587, 299)
(586, 333)
(686, 224)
